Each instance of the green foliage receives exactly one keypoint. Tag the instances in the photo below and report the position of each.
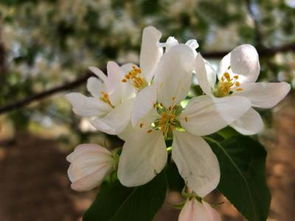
(243, 182)
(50, 42)
(118, 203)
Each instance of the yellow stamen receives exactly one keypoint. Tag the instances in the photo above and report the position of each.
(105, 98)
(135, 77)
(227, 85)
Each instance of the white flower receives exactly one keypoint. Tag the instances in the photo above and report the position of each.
(157, 115)
(194, 210)
(237, 74)
(111, 102)
(171, 41)
(90, 163)
(150, 54)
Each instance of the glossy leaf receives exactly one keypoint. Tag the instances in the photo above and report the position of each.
(118, 203)
(243, 182)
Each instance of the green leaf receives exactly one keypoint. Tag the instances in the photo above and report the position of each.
(243, 182)
(118, 203)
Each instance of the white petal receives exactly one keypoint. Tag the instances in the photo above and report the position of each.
(119, 91)
(224, 65)
(87, 106)
(202, 75)
(115, 75)
(116, 120)
(243, 61)
(98, 73)
(92, 180)
(144, 103)
(174, 75)
(212, 213)
(88, 149)
(196, 162)
(192, 43)
(90, 163)
(206, 115)
(211, 74)
(250, 123)
(193, 210)
(150, 52)
(170, 42)
(95, 86)
(143, 156)
(264, 95)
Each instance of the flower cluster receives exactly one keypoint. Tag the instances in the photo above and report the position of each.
(143, 105)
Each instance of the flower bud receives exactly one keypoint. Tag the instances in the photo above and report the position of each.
(194, 210)
(90, 163)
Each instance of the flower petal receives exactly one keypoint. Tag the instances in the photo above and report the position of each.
(224, 65)
(115, 75)
(174, 75)
(116, 120)
(98, 73)
(143, 104)
(87, 106)
(264, 95)
(244, 61)
(92, 180)
(212, 213)
(250, 123)
(170, 42)
(95, 86)
(92, 149)
(206, 115)
(142, 158)
(192, 43)
(196, 162)
(194, 210)
(203, 76)
(150, 52)
(89, 165)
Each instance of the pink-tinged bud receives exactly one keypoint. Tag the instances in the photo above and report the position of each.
(193, 210)
(90, 163)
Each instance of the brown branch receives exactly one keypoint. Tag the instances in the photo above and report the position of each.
(44, 94)
(71, 85)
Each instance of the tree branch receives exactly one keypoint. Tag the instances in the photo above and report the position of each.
(265, 52)
(257, 31)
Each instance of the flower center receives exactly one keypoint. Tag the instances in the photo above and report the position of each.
(167, 122)
(135, 78)
(106, 99)
(227, 85)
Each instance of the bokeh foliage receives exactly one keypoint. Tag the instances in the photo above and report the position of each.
(47, 42)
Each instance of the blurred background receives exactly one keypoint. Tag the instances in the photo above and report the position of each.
(45, 49)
